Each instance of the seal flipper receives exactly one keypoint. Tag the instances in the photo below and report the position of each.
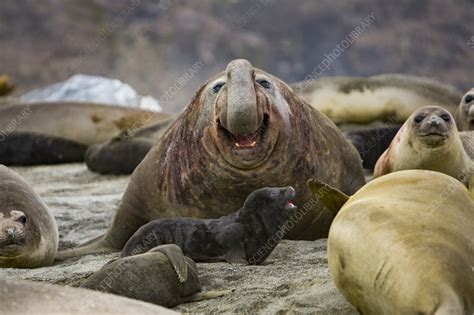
(200, 296)
(177, 259)
(97, 245)
(329, 196)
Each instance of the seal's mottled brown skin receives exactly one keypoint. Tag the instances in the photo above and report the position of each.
(26, 297)
(204, 166)
(403, 244)
(362, 100)
(429, 140)
(85, 123)
(465, 112)
(28, 231)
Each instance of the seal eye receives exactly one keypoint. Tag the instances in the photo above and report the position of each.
(22, 219)
(468, 99)
(264, 83)
(418, 118)
(217, 87)
(445, 117)
(274, 194)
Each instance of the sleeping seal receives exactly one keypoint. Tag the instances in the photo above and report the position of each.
(162, 275)
(26, 297)
(362, 100)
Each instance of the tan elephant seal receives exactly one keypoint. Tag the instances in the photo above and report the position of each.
(429, 140)
(162, 276)
(244, 130)
(84, 123)
(403, 244)
(387, 97)
(25, 297)
(465, 112)
(60, 132)
(28, 231)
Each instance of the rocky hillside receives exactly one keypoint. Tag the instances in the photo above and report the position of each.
(152, 44)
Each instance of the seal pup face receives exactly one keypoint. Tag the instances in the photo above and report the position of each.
(275, 205)
(465, 112)
(432, 125)
(249, 113)
(13, 236)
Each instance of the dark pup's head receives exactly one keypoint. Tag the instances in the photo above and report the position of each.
(432, 125)
(465, 112)
(274, 205)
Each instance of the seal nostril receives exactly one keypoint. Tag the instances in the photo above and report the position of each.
(10, 232)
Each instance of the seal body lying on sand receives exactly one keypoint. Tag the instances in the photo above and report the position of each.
(237, 237)
(465, 112)
(24, 297)
(362, 100)
(244, 130)
(122, 154)
(63, 126)
(429, 140)
(403, 244)
(28, 231)
(162, 275)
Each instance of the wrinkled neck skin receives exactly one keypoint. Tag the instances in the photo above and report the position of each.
(449, 158)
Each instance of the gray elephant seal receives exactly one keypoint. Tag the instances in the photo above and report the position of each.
(123, 153)
(25, 297)
(465, 112)
(403, 244)
(28, 231)
(362, 100)
(245, 129)
(248, 235)
(162, 276)
(429, 140)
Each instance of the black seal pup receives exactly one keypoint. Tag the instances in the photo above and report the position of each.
(246, 236)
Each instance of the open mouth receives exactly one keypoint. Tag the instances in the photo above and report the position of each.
(247, 141)
(290, 195)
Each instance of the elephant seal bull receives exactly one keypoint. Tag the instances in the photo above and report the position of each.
(403, 244)
(162, 276)
(429, 140)
(465, 112)
(245, 129)
(28, 230)
(25, 297)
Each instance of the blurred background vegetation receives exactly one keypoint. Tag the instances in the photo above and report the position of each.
(150, 44)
